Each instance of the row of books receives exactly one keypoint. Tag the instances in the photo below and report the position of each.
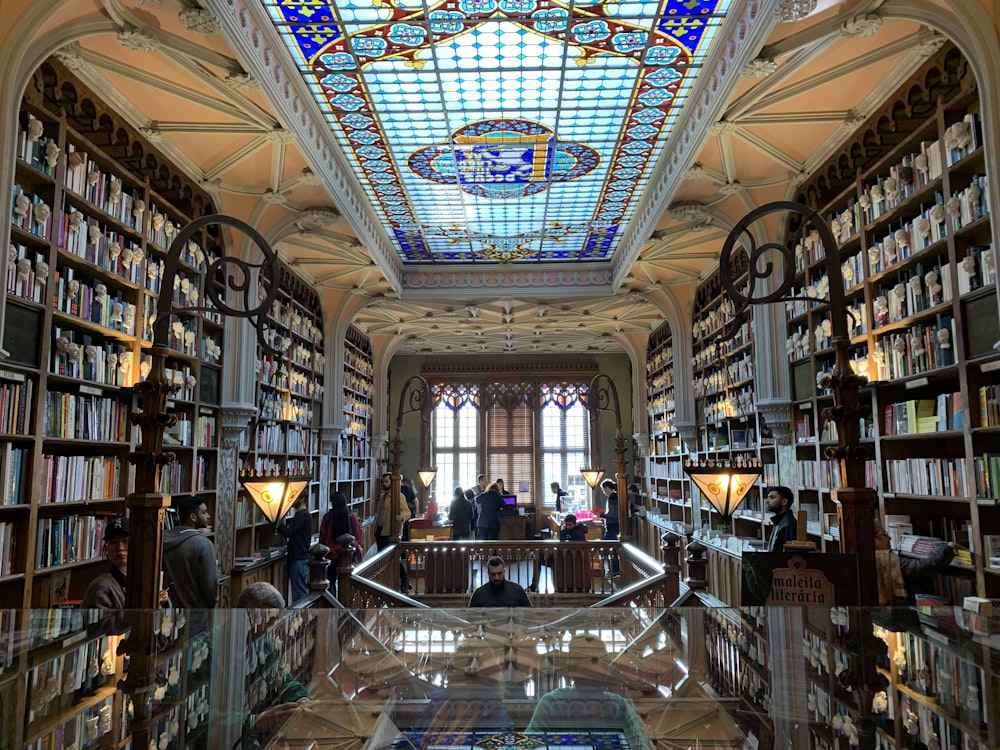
(987, 473)
(88, 357)
(172, 478)
(938, 477)
(919, 349)
(104, 190)
(69, 539)
(92, 300)
(14, 464)
(822, 473)
(27, 272)
(289, 317)
(915, 171)
(936, 670)
(31, 213)
(16, 401)
(74, 479)
(989, 405)
(85, 416)
(7, 530)
(204, 477)
(932, 729)
(59, 682)
(33, 146)
(85, 237)
(924, 415)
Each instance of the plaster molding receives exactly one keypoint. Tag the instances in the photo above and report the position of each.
(137, 40)
(247, 29)
(860, 27)
(235, 419)
(528, 281)
(745, 30)
(778, 417)
(241, 82)
(789, 11)
(199, 21)
(759, 68)
(71, 58)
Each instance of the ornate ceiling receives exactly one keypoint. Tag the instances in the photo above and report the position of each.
(228, 90)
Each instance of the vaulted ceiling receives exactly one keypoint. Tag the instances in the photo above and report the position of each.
(179, 71)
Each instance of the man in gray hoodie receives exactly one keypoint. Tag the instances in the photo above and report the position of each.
(189, 569)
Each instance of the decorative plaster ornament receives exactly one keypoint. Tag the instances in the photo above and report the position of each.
(23, 269)
(158, 220)
(93, 177)
(891, 188)
(958, 136)
(933, 286)
(114, 191)
(922, 227)
(11, 254)
(169, 229)
(835, 226)
(164, 741)
(144, 368)
(953, 207)
(117, 309)
(35, 130)
(92, 730)
(51, 154)
(100, 293)
(876, 193)
(41, 213)
(75, 221)
(21, 205)
(866, 201)
(138, 208)
(105, 716)
(902, 239)
(889, 250)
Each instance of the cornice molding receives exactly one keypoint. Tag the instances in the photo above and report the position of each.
(525, 282)
(254, 41)
(744, 31)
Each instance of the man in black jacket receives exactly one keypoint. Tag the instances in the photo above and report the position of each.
(784, 527)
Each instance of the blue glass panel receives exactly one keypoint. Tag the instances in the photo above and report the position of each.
(486, 129)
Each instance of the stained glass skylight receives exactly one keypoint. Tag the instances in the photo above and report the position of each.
(500, 130)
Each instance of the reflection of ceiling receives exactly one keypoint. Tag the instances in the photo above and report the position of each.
(501, 130)
(173, 70)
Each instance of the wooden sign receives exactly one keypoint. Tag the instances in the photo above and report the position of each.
(790, 579)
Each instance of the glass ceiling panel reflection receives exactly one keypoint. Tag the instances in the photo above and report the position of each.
(500, 129)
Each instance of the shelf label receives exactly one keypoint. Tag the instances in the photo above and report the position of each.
(89, 390)
(917, 383)
(17, 377)
(990, 366)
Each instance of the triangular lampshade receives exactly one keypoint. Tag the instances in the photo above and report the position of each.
(427, 476)
(592, 476)
(723, 483)
(274, 494)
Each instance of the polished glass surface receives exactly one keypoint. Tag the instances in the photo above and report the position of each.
(596, 678)
(501, 130)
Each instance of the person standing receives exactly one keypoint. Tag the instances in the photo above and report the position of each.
(107, 591)
(461, 515)
(610, 514)
(339, 520)
(410, 495)
(560, 493)
(387, 507)
(298, 538)
(490, 503)
(784, 528)
(498, 591)
(190, 572)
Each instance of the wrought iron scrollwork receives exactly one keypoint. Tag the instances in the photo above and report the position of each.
(239, 280)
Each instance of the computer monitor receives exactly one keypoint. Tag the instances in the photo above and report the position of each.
(510, 499)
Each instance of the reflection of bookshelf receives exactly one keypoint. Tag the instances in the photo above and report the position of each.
(914, 234)
(92, 218)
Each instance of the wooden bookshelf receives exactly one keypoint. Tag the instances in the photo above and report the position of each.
(913, 225)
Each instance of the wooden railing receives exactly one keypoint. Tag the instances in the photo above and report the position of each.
(446, 573)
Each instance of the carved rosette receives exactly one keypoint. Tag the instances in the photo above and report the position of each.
(759, 68)
(778, 417)
(860, 26)
(241, 82)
